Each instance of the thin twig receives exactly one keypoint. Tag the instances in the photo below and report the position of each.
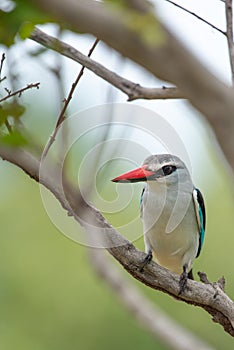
(197, 16)
(61, 116)
(2, 79)
(20, 91)
(1, 65)
(132, 90)
(13, 94)
(229, 26)
(67, 101)
(57, 72)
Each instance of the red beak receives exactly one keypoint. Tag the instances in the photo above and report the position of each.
(139, 174)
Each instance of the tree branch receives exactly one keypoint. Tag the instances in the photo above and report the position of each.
(61, 116)
(197, 16)
(132, 90)
(229, 25)
(210, 297)
(150, 316)
(19, 91)
(162, 55)
(1, 66)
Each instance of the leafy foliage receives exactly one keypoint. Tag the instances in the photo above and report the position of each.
(140, 22)
(13, 109)
(21, 19)
(14, 139)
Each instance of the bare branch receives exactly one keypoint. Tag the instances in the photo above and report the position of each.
(20, 91)
(132, 90)
(165, 57)
(229, 25)
(1, 66)
(2, 79)
(210, 297)
(150, 316)
(136, 91)
(61, 116)
(197, 16)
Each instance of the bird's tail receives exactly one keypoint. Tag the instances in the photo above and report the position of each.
(190, 275)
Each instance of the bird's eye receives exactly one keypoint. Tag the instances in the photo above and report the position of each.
(168, 169)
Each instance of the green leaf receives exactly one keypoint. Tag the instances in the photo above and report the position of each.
(11, 109)
(13, 139)
(22, 18)
(26, 29)
(118, 3)
(8, 28)
(146, 26)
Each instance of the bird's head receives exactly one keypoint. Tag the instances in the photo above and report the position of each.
(161, 168)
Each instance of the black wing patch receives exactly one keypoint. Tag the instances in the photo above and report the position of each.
(201, 217)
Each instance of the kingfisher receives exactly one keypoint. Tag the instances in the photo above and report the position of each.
(172, 212)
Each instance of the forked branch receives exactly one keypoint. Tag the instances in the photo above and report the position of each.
(19, 91)
(133, 90)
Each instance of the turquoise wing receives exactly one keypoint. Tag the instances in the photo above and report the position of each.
(141, 199)
(201, 216)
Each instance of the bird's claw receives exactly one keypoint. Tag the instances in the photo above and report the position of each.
(146, 261)
(183, 282)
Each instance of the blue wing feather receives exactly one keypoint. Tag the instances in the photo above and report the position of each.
(141, 199)
(201, 217)
(142, 196)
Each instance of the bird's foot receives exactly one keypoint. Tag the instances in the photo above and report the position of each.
(183, 280)
(146, 261)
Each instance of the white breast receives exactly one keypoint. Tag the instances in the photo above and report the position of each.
(178, 247)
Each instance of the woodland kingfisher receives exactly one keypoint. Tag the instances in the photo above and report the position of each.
(172, 212)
